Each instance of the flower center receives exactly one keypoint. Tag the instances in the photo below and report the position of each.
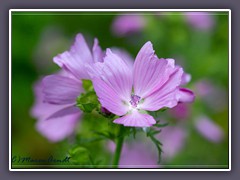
(134, 100)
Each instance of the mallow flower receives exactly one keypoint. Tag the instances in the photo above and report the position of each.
(129, 92)
(55, 106)
(200, 20)
(127, 24)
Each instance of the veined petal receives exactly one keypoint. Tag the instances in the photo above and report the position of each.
(185, 95)
(58, 89)
(166, 95)
(75, 59)
(71, 109)
(97, 52)
(150, 73)
(125, 56)
(57, 129)
(108, 98)
(136, 119)
(115, 73)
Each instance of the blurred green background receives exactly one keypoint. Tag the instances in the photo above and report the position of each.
(37, 37)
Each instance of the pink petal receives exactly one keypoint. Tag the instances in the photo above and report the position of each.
(116, 74)
(58, 89)
(209, 129)
(97, 52)
(71, 109)
(57, 129)
(186, 78)
(125, 56)
(166, 95)
(149, 71)
(136, 119)
(186, 95)
(74, 60)
(108, 98)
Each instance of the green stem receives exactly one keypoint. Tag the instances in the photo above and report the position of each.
(118, 150)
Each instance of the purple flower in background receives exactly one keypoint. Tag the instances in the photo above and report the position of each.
(136, 155)
(173, 139)
(55, 121)
(200, 20)
(127, 24)
(213, 95)
(207, 128)
(156, 83)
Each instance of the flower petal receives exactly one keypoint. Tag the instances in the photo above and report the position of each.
(125, 56)
(186, 78)
(166, 95)
(149, 71)
(185, 95)
(57, 129)
(209, 129)
(74, 60)
(71, 109)
(115, 73)
(97, 52)
(58, 89)
(108, 98)
(136, 119)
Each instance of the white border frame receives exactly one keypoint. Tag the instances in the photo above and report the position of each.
(115, 10)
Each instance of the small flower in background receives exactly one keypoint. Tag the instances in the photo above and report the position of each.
(173, 139)
(55, 122)
(136, 155)
(156, 83)
(200, 20)
(208, 129)
(141, 153)
(213, 95)
(127, 24)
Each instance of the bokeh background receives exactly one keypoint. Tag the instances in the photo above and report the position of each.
(198, 133)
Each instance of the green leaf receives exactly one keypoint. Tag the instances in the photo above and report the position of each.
(151, 134)
(79, 156)
(106, 134)
(156, 114)
(160, 125)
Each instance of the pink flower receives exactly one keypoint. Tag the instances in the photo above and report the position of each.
(55, 106)
(208, 129)
(55, 121)
(127, 24)
(151, 84)
(200, 20)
